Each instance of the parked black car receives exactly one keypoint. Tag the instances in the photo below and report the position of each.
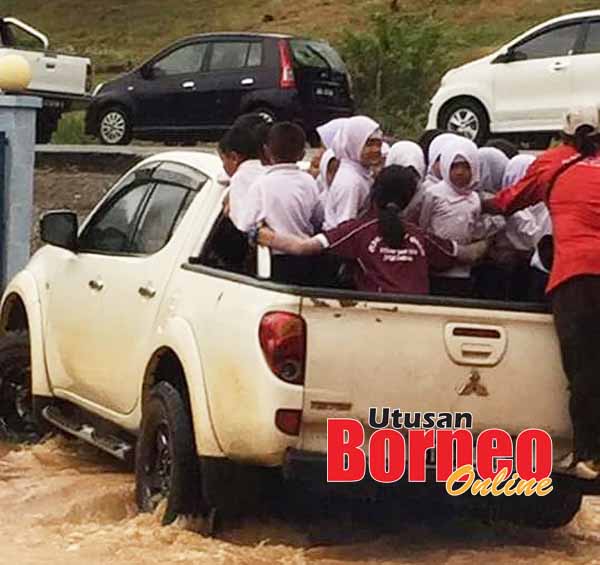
(195, 88)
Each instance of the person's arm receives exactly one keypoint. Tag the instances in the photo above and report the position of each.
(473, 252)
(291, 244)
(443, 254)
(426, 210)
(530, 190)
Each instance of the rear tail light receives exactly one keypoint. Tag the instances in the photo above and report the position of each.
(287, 78)
(283, 341)
(288, 421)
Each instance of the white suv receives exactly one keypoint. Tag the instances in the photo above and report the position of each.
(525, 86)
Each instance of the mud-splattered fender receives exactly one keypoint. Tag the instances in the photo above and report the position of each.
(177, 335)
(24, 286)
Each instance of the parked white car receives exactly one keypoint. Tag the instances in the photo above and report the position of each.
(63, 82)
(152, 333)
(527, 85)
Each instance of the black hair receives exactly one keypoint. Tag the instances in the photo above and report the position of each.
(426, 138)
(508, 148)
(286, 142)
(247, 136)
(586, 141)
(242, 141)
(393, 189)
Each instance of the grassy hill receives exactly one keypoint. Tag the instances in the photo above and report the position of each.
(116, 34)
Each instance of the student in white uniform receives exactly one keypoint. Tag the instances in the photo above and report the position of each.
(286, 199)
(451, 210)
(492, 163)
(434, 174)
(328, 168)
(357, 145)
(240, 152)
(409, 154)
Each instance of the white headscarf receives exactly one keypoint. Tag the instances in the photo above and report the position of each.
(352, 136)
(435, 150)
(407, 154)
(524, 228)
(385, 149)
(492, 163)
(516, 169)
(462, 149)
(328, 131)
(326, 158)
(348, 195)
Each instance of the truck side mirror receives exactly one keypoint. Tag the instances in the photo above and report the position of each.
(60, 228)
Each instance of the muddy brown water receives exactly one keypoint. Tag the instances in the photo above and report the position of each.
(63, 502)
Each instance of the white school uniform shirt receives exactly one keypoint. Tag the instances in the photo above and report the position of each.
(348, 196)
(287, 200)
(448, 212)
(245, 176)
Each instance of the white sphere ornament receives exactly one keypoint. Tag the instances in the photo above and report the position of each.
(15, 73)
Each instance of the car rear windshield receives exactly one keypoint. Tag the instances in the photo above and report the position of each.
(316, 54)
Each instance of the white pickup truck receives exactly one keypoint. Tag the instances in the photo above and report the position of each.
(63, 82)
(148, 333)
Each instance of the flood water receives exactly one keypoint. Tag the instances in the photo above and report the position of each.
(65, 503)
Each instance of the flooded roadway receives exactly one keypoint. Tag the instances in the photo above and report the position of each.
(64, 503)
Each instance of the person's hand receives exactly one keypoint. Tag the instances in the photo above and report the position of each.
(265, 236)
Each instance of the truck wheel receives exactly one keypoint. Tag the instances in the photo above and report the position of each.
(17, 420)
(166, 463)
(114, 126)
(466, 117)
(552, 511)
(46, 125)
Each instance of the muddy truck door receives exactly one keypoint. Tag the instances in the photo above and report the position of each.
(501, 366)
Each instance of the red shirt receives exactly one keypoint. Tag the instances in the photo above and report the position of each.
(574, 208)
(384, 269)
(531, 189)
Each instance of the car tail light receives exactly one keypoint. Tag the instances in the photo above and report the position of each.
(287, 79)
(288, 421)
(283, 341)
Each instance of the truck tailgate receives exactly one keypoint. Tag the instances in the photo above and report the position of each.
(501, 366)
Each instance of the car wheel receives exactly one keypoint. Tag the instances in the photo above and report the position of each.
(267, 113)
(114, 126)
(17, 419)
(468, 118)
(166, 462)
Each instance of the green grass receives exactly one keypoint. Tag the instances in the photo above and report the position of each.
(118, 34)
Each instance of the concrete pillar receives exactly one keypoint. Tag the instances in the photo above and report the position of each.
(17, 121)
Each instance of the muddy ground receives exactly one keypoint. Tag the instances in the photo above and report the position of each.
(65, 503)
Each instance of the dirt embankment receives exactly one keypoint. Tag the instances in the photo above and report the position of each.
(68, 188)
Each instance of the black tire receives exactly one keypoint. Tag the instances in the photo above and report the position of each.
(552, 511)
(114, 126)
(46, 125)
(17, 420)
(466, 117)
(166, 462)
